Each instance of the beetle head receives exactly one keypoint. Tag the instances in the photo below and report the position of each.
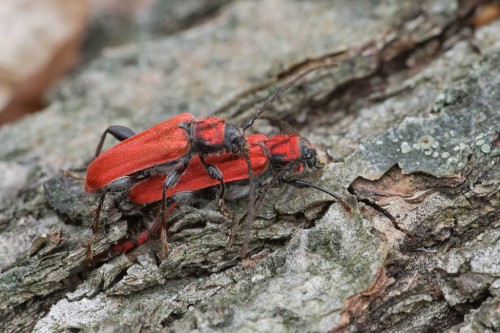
(308, 154)
(234, 139)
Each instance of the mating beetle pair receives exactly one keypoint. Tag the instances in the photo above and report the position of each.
(177, 155)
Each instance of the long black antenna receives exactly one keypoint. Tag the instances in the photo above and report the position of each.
(302, 183)
(280, 92)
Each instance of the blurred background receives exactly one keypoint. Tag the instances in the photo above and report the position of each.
(45, 40)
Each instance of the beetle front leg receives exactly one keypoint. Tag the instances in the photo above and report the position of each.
(172, 179)
(119, 132)
(214, 173)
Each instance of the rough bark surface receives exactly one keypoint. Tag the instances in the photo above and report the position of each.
(407, 125)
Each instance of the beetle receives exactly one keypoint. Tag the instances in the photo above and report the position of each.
(271, 158)
(166, 149)
(195, 186)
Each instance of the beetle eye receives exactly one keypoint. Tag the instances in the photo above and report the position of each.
(236, 143)
(311, 158)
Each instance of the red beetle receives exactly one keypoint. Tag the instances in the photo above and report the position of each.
(272, 157)
(164, 149)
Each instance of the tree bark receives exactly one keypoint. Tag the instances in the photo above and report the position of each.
(407, 125)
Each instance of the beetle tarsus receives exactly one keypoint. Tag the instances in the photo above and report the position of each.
(164, 240)
(234, 230)
(225, 210)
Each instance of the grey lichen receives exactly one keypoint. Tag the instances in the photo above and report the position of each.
(451, 133)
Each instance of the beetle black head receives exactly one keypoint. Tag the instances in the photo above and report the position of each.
(234, 139)
(308, 154)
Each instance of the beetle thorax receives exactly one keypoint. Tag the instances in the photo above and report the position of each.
(283, 149)
(208, 134)
(287, 149)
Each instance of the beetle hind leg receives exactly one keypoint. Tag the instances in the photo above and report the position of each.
(119, 132)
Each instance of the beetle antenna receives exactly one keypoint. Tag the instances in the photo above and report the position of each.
(284, 126)
(302, 183)
(278, 94)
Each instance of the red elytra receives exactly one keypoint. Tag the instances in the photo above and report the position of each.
(162, 143)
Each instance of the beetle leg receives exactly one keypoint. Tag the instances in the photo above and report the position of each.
(95, 224)
(128, 244)
(214, 173)
(250, 216)
(299, 183)
(119, 185)
(172, 179)
(119, 132)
